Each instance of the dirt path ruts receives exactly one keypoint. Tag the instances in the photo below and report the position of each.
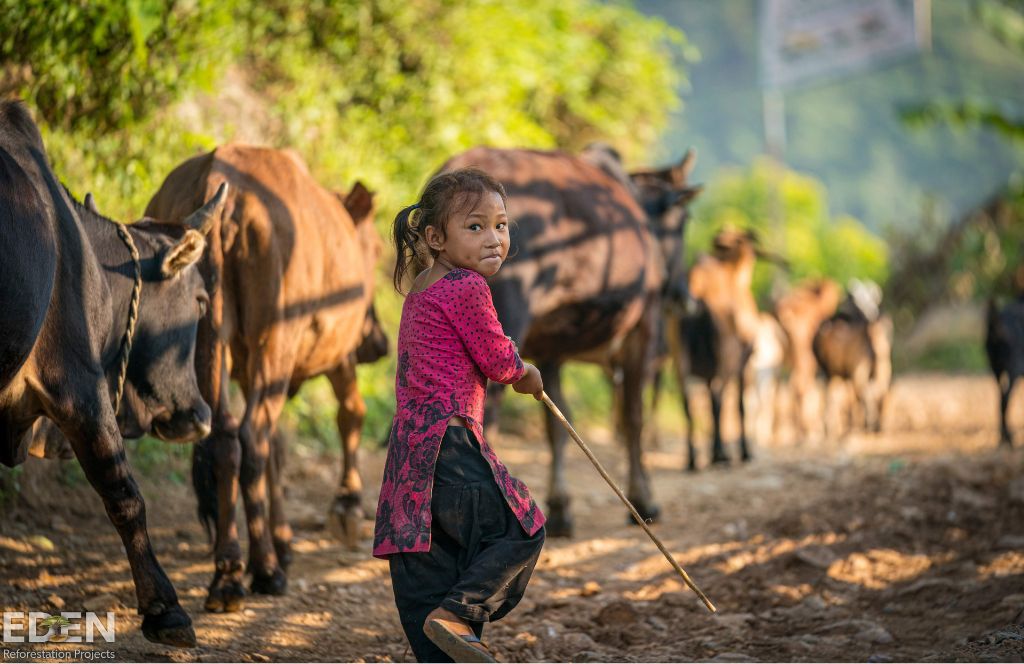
(904, 546)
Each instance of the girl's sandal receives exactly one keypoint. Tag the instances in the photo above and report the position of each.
(459, 647)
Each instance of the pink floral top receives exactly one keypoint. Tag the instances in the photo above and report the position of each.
(449, 344)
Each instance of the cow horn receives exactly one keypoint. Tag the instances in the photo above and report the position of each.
(202, 219)
(90, 203)
(685, 167)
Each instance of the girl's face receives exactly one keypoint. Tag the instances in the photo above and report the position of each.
(476, 239)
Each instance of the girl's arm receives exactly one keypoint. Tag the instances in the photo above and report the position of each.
(471, 312)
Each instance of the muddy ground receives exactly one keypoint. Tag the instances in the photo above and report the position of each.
(907, 545)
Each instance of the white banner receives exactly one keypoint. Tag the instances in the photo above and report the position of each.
(803, 40)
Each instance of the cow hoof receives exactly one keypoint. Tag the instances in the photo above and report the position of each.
(558, 524)
(283, 551)
(171, 628)
(649, 513)
(692, 466)
(275, 583)
(720, 460)
(747, 458)
(345, 520)
(225, 597)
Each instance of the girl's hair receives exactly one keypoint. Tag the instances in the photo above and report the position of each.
(445, 195)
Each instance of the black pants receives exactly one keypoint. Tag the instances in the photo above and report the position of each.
(480, 558)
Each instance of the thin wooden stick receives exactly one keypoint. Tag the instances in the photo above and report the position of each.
(636, 515)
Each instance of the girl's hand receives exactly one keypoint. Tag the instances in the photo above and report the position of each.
(531, 383)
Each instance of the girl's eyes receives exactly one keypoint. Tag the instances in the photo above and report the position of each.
(476, 227)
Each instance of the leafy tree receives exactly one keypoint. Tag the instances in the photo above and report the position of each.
(104, 64)
(813, 244)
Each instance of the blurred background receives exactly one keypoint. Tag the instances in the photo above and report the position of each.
(903, 164)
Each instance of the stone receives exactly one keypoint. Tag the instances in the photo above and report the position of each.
(98, 603)
(617, 613)
(818, 557)
(1016, 490)
(590, 588)
(1010, 543)
(56, 601)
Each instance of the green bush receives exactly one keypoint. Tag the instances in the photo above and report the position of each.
(813, 244)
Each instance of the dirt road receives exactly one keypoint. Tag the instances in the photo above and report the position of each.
(903, 546)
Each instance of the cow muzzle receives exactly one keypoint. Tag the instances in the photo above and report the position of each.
(185, 426)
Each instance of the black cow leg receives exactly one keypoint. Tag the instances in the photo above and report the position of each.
(559, 517)
(347, 513)
(97, 443)
(691, 451)
(1004, 403)
(718, 454)
(744, 449)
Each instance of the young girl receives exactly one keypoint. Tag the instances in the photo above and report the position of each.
(462, 535)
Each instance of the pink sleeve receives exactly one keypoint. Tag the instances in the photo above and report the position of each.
(471, 312)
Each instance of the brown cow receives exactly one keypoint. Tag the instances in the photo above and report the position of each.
(801, 312)
(290, 268)
(585, 282)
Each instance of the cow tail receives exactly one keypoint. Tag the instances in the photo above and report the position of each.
(204, 482)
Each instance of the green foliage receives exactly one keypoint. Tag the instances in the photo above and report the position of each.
(813, 244)
(955, 356)
(10, 485)
(382, 91)
(104, 64)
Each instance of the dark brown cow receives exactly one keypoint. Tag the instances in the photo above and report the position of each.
(66, 283)
(585, 282)
(291, 271)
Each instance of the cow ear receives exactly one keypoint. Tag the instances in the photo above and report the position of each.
(90, 203)
(185, 252)
(359, 203)
(688, 194)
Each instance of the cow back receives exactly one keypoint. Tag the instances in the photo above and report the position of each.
(583, 260)
(28, 259)
(284, 261)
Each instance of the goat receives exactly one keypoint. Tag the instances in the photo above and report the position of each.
(854, 348)
(801, 312)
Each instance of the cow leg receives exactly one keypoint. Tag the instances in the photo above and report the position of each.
(744, 450)
(492, 410)
(635, 370)
(263, 407)
(1006, 382)
(97, 443)
(691, 453)
(226, 592)
(347, 514)
(559, 518)
(280, 530)
(718, 454)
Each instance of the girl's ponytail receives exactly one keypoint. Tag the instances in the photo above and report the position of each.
(445, 195)
(406, 237)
